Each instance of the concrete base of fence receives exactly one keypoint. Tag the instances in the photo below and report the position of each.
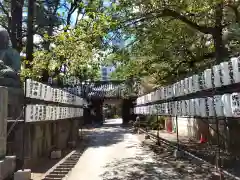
(147, 136)
(10, 165)
(7, 167)
(217, 176)
(72, 144)
(178, 154)
(15, 103)
(22, 174)
(2, 173)
(41, 139)
(56, 154)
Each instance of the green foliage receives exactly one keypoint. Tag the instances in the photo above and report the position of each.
(172, 39)
(76, 47)
(4, 9)
(167, 40)
(116, 116)
(155, 122)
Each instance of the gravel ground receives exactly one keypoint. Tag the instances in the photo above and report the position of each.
(115, 153)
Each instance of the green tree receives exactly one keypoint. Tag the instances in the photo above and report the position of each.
(174, 39)
(77, 48)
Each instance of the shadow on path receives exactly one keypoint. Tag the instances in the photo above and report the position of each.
(147, 165)
(132, 160)
(109, 134)
(106, 136)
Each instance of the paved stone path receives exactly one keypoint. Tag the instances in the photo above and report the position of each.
(117, 154)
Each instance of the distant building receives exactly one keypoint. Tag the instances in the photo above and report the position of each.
(106, 72)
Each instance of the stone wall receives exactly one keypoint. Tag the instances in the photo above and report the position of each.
(127, 110)
(229, 132)
(7, 163)
(195, 127)
(15, 103)
(192, 127)
(41, 138)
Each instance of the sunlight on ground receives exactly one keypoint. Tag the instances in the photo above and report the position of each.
(114, 121)
(114, 153)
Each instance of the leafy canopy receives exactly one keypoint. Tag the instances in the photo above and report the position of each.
(76, 47)
(174, 39)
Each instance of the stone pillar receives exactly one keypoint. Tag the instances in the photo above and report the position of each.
(86, 116)
(63, 133)
(127, 110)
(99, 112)
(74, 129)
(3, 120)
(15, 143)
(97, 107)
(15, 103)
(234, 133)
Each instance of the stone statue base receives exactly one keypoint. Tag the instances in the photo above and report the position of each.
(9, 82)
(15, 103)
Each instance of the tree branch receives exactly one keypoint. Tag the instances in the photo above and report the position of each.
(171, 13)
(73, 7)
(5, 27)
(195, 59)
(4, 10)
(174, 75)
(236, 12)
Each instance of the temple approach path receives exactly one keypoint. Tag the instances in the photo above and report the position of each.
(115, 153)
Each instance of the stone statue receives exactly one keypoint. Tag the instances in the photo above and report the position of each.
(9, 61)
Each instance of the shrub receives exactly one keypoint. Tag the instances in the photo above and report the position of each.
(154, 122)
(116, 116)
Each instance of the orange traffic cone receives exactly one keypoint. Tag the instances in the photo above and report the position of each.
(202, 140)
(169, 126)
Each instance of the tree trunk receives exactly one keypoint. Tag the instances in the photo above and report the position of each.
(78, 13)
(30, 32)
(97, 107)
(69, 19)
(50, 29)
(19, 18)
(46, 44)
(127, 107)
(70, 12)
(220, 51)
(13, 24)
(16, 24)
